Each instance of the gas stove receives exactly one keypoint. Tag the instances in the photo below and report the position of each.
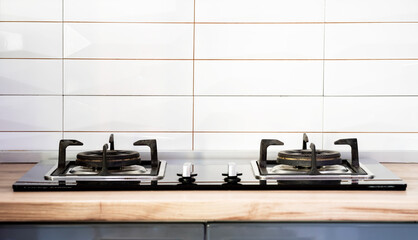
(299, 169)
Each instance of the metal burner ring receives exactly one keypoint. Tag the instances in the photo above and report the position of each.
(302, 158)
(115, 158)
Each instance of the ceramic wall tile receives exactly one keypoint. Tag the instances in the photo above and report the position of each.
(259, 41)
(127, 113)
(251, 141)
(379, 142)
(35, 141)
(371, 41)
(129, 10)
(371, 114)
(27, 76)
(30, 40)
(30, 10)
(30, 113)
(165, 141)
(371, 77)
(371, 10)
(128, 77)
(259, 10)
(258, 77)
(258, 114)
(128, 40)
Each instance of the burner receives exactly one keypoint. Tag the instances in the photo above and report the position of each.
(115, 158)
(302, 157)
(132, 169)
(334, 169)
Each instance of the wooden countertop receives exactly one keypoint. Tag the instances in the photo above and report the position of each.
(209, 205)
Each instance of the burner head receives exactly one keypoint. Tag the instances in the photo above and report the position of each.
(115, 158)
(302, 158)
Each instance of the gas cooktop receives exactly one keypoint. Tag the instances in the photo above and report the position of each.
(110, 169)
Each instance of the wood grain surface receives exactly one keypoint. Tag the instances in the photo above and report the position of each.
(132, 206)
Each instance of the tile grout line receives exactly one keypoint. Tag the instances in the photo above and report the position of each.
(207, 95)
(62, 69)
(209, 131)
(194, 38)
(205, 23)
(218, 59)
(323, 75)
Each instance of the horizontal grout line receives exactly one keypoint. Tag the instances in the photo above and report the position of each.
(371, 22)
(129, 22)
(5, 58)
(156, 131)
(303, 59)
(186, 22)
(377, 96)
(28, 95)
(191, 95)
(259, 59)
(139, 59)
(300, 22)
(368, 59)
(296, 132)
(221, 59)
(215, 131)
(36, 21)
(40, 131)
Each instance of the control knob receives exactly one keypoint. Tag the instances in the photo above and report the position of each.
(187, 175)
(232, 174)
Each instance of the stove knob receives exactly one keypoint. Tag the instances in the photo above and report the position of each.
(187, 174)
(232, 174)
(188, 169)
(232, 169)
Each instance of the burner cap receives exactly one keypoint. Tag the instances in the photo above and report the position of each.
(115, 158)
(302, 158)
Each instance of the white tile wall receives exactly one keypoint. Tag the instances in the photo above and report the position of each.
(209, 74)
(259, 10)
(30, 113)
(371, 114)
(23, 76)
(374, 141)
(128, 40)
(30, 10)
(35, 141)
(114, 113)
(30, 40)
(258, 77)
(258, 114)
(255, 41)
(251, 141)
(165, 141)
(374, 77)
(129, 10)
(371, 40)
(371, 10)
(128, 77)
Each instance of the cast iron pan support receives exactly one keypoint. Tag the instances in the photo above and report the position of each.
(355, 162)
(112, 142)
(314, 168)
(104, 171)
(152, 144)
(305, 141)
(62, 155)
(262, 161)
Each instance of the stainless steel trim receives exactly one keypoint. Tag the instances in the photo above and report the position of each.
(258, 175)
(72, 179)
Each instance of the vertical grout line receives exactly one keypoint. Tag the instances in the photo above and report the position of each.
(323, 75)
(62, 69)
(194, 34)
